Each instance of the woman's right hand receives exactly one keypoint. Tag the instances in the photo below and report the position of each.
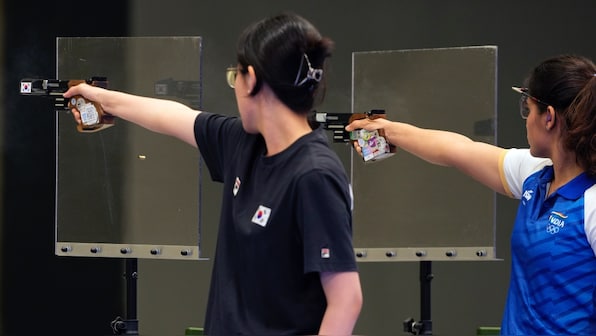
(366, 124)
(90, 93)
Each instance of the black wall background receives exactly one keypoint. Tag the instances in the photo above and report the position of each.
(41, 292)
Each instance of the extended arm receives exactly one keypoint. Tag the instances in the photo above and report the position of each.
(158, 115)
(476, 159)
(344, 302)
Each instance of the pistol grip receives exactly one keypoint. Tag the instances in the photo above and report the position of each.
(93, 118)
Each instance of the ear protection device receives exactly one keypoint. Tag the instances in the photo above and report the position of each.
(548, 117)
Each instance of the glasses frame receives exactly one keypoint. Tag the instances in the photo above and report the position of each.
(231, 73)
(524, 110)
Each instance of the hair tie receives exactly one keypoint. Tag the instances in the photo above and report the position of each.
(315, 74)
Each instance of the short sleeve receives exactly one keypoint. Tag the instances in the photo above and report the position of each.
(590, 216)
(325, 218)
(217, 137)
(517, 165)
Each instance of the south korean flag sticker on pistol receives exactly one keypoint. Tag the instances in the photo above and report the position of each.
(25, 87)
(89, 114)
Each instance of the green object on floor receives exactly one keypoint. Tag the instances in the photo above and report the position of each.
(194, 331)
(482, 331)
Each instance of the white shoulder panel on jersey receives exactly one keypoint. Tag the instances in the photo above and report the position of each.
(518, 164)
(590, 216)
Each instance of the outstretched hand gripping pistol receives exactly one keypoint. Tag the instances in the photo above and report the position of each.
(373, 144)
(93, 117)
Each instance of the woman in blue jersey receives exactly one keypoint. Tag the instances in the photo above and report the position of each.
(552, 288)
(284, 261)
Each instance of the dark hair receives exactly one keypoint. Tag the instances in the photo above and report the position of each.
(276, 48)
(568, 83)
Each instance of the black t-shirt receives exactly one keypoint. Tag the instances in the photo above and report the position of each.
(284, 219)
